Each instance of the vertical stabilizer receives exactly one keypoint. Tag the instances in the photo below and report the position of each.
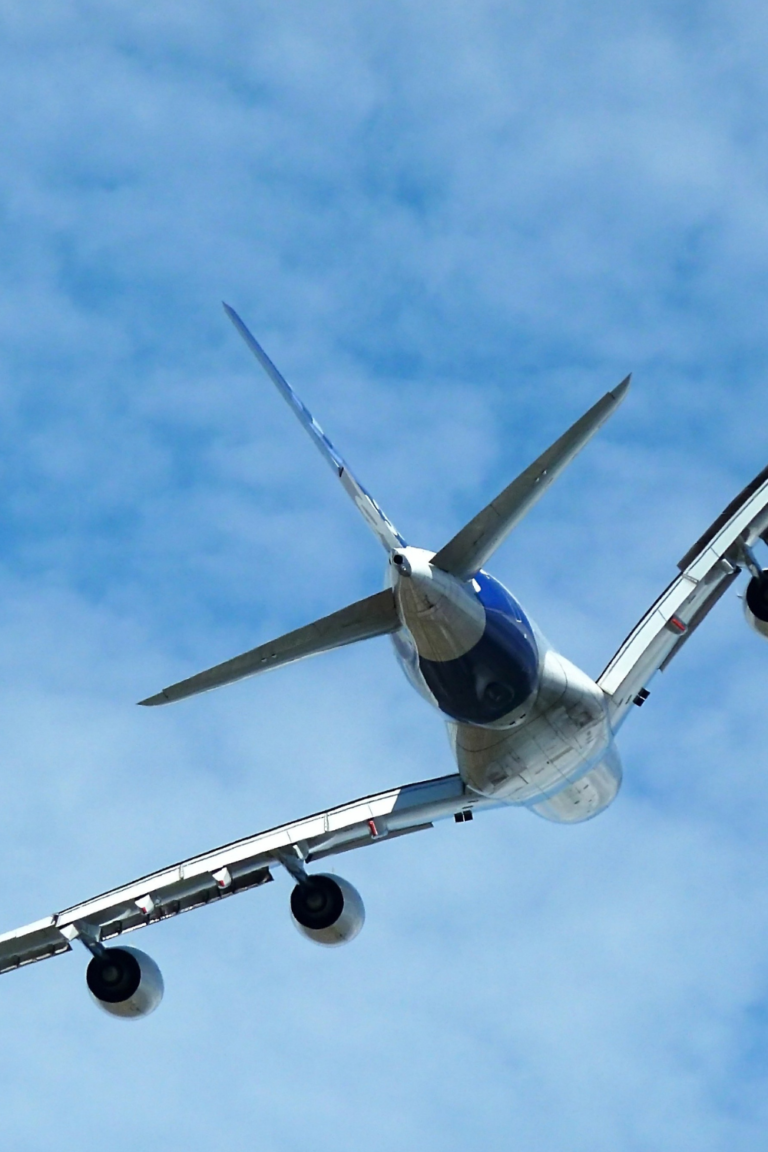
(376, 520)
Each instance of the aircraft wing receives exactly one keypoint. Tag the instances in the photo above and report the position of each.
(707, 570)
(236, 867)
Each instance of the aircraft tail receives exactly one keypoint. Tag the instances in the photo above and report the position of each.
(470, 548)
(462, 557)
(377, 521)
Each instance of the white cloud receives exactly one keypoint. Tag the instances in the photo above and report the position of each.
(453, 226)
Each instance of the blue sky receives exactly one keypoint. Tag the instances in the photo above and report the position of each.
(453, 226)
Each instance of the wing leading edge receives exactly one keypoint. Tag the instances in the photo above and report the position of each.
(239, 866)
(379, 523)
(706, 572)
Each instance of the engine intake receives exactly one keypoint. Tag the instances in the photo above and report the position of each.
(756, 603)
(125, 982)
(327, 909)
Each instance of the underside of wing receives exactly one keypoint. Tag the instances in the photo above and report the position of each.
(706, 572)
(374, 616)
(239, 866)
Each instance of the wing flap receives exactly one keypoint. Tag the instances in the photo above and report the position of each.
(720, 587)
(37, 941)
(375, 616)
(739, 503)
(239, 866)
(470, 548)
(707, 570)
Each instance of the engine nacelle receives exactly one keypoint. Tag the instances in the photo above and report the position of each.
(327, 909)
(756, 604)
(125, 982)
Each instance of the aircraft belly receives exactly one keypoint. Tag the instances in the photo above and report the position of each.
(586, 796)
(565, 731)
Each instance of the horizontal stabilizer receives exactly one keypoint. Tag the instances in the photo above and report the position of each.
(374, 616)
(470, 548)
(377, 521)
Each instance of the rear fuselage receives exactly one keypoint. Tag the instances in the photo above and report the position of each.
(526, 726)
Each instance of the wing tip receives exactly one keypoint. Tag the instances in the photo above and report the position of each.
(233, 316)
(152, 701)
(620, 391)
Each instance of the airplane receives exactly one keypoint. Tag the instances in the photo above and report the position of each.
(526, 726)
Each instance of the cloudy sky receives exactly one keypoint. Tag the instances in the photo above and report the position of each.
(453, 225)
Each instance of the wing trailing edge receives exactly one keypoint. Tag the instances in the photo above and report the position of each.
(470, 548)
(375, 616)
(240, 867)
(707, 570)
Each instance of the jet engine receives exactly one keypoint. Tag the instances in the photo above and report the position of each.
(327, 909)
(756, 603)
(125, 982)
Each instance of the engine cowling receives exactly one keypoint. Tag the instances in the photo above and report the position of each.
(327, 909)
(125, 982)
(756, 604)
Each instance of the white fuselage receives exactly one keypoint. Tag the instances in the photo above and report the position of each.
(526, 726)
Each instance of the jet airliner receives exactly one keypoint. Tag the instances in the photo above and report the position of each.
(526, 726)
